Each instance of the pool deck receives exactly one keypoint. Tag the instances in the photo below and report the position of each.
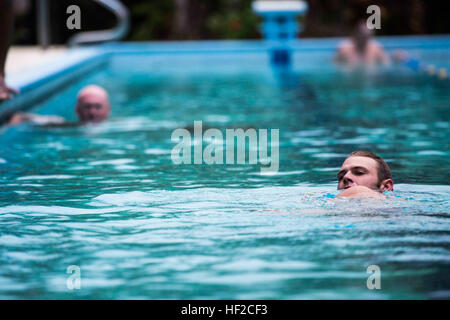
(22, 58)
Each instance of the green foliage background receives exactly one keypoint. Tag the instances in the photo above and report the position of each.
(234, 19)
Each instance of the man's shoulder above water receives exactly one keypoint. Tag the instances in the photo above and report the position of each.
(361, 192)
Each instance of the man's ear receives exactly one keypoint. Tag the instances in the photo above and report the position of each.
(387, 185)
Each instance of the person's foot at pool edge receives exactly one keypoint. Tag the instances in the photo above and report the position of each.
(364, 175)
(6, 93)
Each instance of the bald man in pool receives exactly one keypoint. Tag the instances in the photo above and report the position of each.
(92, 107)
(364, 175)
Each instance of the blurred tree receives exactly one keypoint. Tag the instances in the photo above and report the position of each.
(231, 19)
(150, 20)
(234, 19)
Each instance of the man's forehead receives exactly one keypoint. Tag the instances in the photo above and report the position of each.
(356, 161)
(92, 98)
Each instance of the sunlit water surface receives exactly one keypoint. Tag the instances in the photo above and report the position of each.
(108, 198)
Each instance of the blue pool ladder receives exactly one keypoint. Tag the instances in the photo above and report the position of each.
(280, 26)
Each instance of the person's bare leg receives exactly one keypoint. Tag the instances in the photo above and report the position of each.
(6, 29)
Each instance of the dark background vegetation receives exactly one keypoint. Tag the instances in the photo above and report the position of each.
(234, 19)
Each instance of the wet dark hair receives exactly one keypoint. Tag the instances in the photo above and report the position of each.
(383, 170)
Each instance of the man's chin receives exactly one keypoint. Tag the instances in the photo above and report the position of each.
(92, 121)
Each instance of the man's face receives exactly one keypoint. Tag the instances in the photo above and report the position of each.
(93, 108)
(358, 171)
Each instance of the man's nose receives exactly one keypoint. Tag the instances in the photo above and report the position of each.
(347, 178)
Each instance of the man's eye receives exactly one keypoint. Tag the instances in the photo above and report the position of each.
(358, 173)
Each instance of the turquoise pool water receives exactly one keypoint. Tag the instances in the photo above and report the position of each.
(108, 198)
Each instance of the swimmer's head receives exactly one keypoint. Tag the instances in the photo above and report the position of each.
(363, 168)
(362, 35)
(92, 104)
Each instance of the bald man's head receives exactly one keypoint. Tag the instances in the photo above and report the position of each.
(92, 104)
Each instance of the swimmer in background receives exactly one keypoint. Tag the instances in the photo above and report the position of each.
(361, 50)
(364, 175)
(92, 107)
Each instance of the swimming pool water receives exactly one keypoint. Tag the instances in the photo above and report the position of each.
(108, 198)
